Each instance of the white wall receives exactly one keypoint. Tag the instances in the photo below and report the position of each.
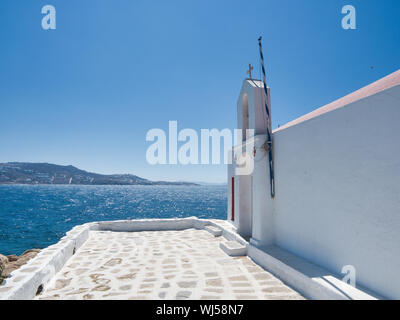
(263, 208)
(254, 91)
(252, 98)
(338, 190)
(244, 203)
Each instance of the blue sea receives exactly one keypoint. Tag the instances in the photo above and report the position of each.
(36, 216)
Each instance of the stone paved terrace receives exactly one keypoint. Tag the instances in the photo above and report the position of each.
(186, 264)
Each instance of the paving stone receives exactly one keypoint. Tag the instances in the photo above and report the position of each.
(181, 295)
(262, 276)
(276, 289)
(186, 264)
(210, 298)
(211, 274)
(187, 284)
(241, 284)
(238, 278)
(216, 290)
(214, 282)
(244, 291)
(247, 297)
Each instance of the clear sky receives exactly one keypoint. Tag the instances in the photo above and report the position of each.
(87, 93)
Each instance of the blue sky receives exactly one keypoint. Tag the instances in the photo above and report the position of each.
(87, 93)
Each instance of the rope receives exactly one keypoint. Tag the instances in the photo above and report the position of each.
(269, 129)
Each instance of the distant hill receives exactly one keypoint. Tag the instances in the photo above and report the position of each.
(46, 173)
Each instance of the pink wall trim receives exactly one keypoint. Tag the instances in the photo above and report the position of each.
(387, 82)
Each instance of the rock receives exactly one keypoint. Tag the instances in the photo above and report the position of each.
(30, 251)
(13, 262)
(3, 262)
(12, 258)
(27, 255)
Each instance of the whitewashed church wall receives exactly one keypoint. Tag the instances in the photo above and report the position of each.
(338, 190)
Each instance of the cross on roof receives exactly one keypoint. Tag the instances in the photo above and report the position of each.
(249, 71)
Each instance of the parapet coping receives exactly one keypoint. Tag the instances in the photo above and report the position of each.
(310, 280)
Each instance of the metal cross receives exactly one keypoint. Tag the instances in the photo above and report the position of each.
(249, 71)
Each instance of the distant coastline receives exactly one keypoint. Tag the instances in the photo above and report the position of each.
(52, 174)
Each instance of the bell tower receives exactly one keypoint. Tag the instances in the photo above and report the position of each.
(251, 114)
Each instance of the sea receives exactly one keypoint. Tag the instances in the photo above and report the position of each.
(36, 216)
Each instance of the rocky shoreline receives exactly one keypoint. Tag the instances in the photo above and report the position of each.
(12, 262)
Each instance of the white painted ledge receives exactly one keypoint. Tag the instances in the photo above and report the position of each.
(233, 248)
(310, 280)
(216, 232)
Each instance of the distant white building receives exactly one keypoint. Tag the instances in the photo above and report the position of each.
(336, 211)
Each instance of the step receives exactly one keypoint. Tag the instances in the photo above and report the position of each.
(309, 279)
(216, 232)
(233, 248)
